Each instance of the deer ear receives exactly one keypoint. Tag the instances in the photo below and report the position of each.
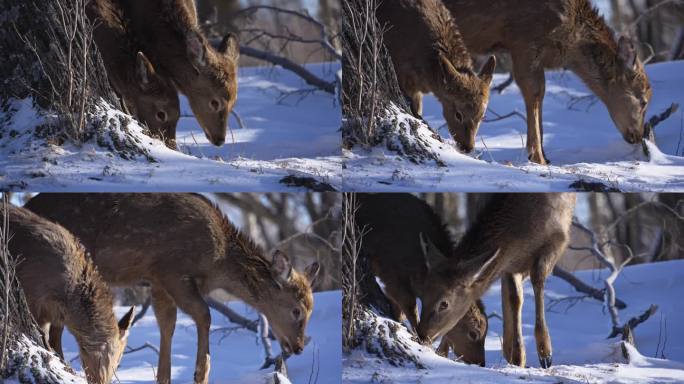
(487, 71)
(312, 271)
(484, 267)
(281, 267)
(126, 322)
(448, 68)
(627, 52)
(230, 47)
(143, 70)
(196, 49)
(431, 254)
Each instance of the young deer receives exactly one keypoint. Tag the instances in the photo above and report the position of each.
(185, 248)
(434, 59)
(462, 338)
(395, 224)
(170, 36)
(515, 235)
(151, 98)
(63, 288)
(559, 34)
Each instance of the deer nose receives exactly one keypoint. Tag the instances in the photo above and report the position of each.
(298, 349)
(218, 141)
(467, 148)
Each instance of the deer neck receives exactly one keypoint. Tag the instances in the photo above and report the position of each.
(594, 59)
(246, 274)
(89, 321)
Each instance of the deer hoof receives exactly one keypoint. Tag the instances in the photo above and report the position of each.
(538, 159)
(545, 362)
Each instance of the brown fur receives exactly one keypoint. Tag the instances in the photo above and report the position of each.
(185, 248)
(555, 34)
(435, 59)
(515, 235)
(151, 98)
(467, 338)
(395, 223)
(63, 288)
(173, 41)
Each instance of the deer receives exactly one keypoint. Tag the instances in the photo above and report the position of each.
(151, 98)
(394, 226)
(559, 34)
(184, 247)
(436, 60)
(63, 288)
(170, 36)
(513, 237)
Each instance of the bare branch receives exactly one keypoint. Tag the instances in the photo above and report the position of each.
(583, 287)
(235, 317)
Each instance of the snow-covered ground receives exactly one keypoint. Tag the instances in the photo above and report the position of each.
(235, 355)
(580, 140)
(581, 352)
(288, 131)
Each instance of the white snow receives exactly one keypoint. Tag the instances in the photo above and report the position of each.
(288, 131)
(236, 356)
(581, 352)
(580, 140)
(39, 364)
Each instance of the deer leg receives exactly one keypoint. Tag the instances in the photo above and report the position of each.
(165, 312)
(443, 349)
(406, 302)
(56, 331)
(189, 300)
(512, 300)
(44, 328)
(416, 99)
(530, 79)
(541, 331)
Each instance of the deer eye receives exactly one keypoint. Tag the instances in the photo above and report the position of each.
(296, 313)
(459, 116)
(443, 306)
(161, 116)
(215, 104)
(472, 335)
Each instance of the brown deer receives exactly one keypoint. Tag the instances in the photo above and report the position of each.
(171, 38)
(429, 56)
(185, 248)
(395, 224)
(556, 34)
(467, 337)
(63, 288)
(515, 235)
(151, 98)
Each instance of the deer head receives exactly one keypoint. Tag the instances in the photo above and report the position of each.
(155, 102)
(467, 338)
(292, 303)
(450, 290)
(100, 361)
(464, 100)
(213, 90)
(627, 92)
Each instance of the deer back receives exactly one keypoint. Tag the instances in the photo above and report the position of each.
(151, 98)
(170, 36)
(63, 287)
(435, 59)
(166, 238)
(396, 224)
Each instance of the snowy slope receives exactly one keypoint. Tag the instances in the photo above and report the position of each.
(580, 140)
(581, 352)
(235, 356)
(285, 134)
